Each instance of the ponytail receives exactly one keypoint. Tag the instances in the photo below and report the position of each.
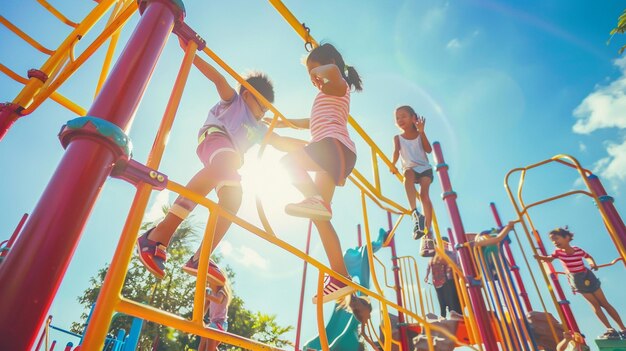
(327, 53)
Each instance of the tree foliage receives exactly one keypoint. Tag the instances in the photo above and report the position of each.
(620, 29)
(175, 294)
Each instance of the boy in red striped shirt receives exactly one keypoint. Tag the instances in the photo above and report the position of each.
(583, 280)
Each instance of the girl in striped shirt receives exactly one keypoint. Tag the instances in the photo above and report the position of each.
(331, 154)
(583, 280)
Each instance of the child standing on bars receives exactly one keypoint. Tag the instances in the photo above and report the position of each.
(583, 280)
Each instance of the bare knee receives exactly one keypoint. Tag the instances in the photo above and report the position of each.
(230, 197)
(409, 177)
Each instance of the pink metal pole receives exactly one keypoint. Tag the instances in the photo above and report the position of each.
(606, 202)
(563, 302)
(509, 256)
(476, 298)
(11, 240)
(299, 325)
(31, 274)
(396, 278)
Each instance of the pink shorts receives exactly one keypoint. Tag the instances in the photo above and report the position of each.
(218, 143)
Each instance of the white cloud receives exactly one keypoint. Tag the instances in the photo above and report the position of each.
(453, 44)
(243, 255)
(605, 107)
(582, 147)
(156, 210)
(613, 167)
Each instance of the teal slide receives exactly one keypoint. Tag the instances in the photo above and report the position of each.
(343, 329)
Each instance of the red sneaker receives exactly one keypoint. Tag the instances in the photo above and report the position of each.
(152, 254)
(334, 290)
(214, 273)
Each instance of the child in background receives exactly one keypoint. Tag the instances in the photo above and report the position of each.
(583, 280)
(331, 154)
(411, 147)
(571, 342)
(219, 299)
(231, 128)
(443, 281)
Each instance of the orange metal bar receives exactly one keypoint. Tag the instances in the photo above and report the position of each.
(56, 13)
(32, 42)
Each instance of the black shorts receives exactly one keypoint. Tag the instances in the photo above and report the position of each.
(427, 173)
(333, 157)
(584, 282)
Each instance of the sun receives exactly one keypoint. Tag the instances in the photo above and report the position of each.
(266, 178)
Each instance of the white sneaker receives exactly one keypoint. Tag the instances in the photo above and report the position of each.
(334, 289)
(312, 208)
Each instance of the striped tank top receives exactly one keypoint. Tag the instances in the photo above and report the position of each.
(573, 262)
(329, 118)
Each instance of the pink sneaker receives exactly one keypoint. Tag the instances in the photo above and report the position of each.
(152, 254)
(312, 208)
(334, 289)
(214, 273)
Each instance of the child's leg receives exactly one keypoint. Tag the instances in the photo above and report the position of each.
(442, 300)
(297, 164)
(595, 305)
(427, 207)
(202, 183)
(230, 200)
(212, 345)
(203, 344)
(601, 298)
(325, 183)
(409, 186)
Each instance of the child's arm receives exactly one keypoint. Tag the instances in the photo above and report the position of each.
(567, 337)
(217, 299)
(544, 258)
(427, 273)
(302, 123)
(420, 124)
(496, 239)
(224, 90)
(286, 144)
(329, 80)
(592, 262)
(396, 155)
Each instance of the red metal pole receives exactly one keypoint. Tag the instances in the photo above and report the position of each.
(33, 271)
(509, 256)
(396, 279)
(613, 216)
(563, 302)
(299, 325)
(11, 240)
(476, 298)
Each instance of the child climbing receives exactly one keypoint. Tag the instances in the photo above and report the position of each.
(443, 280)
(583, 280)
(331, 154)
(411, 147)
(231, 128)
(217, 311)
(571, 342)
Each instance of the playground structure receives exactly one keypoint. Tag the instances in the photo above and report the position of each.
(494, 309)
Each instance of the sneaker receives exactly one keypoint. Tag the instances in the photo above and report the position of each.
(623, 334)
(214, 273)
(152, 254)
(420, 223)
(334, 289)
(610, 334)
(427, 247)
(312, 207)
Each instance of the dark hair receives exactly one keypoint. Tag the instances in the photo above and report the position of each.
(562, 232)
(261, 83)
(326, 54)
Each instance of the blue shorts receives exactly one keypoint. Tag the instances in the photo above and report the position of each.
(219, 325)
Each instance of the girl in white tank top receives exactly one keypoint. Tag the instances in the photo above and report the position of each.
(411, 147)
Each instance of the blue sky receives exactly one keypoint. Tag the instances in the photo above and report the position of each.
(502, 84)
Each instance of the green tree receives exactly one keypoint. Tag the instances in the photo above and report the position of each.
(620, 29)
(175, 294)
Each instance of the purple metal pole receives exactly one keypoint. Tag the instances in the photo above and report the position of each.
(33, 271)
(396, 277)
(299, 325)
(476, 298)
(606, 202)
(509, 256)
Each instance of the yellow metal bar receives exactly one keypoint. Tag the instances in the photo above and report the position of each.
(375, 171)
(56, 13)
(203, 266)
(320, 312)
(392, 233)
(73, 66)
(106, 64)
(32, 42)
(165, 318)
(112, 286)
(293, 21)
